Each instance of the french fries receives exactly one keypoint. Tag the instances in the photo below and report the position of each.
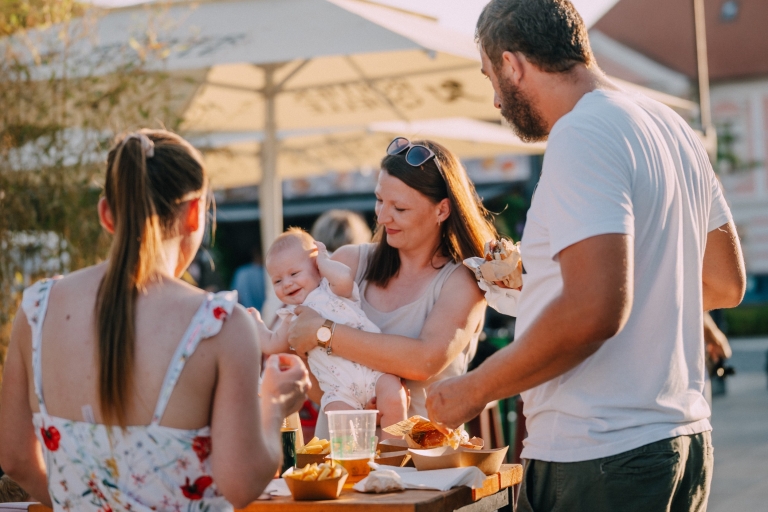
(316, 447)
(315, 472)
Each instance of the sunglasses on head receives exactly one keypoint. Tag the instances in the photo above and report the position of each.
(417, 154)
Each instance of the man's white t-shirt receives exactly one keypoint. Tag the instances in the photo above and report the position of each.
(623, 163)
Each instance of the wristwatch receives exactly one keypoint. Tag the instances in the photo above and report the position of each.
(325, 335)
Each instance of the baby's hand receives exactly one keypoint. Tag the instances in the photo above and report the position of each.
(256, 315)
(322, 251)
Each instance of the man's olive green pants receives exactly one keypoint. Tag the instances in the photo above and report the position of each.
(671, 475)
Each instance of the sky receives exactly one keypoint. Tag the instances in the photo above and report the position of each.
(457, 14)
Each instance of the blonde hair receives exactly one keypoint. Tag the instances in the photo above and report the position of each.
(290, 238)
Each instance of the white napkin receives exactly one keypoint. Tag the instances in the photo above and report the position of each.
(440, 479)
(381, 480)
(501, 299)
(277, 487)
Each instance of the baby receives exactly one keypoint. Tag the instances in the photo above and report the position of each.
(302, 273)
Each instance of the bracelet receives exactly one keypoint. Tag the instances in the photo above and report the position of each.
(328, 349)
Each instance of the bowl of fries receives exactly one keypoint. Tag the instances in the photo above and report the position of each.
(316, 481)
(314, 452)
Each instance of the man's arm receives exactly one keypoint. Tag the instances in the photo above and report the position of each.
(723, 273)
(593, 306)
(339, 275)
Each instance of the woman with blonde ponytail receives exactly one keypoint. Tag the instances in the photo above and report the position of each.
(126, 388)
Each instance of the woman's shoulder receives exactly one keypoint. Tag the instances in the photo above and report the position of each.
(459, 280)
(77, 284)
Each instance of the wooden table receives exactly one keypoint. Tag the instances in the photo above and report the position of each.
(498, 491)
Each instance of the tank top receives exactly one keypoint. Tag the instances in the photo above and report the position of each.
(408, 320)
(142, 468)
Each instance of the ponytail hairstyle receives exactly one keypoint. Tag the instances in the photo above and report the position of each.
(463, 233)
(151, 174)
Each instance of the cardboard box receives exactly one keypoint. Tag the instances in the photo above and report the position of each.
(302, 459)
(303, 490)
(436, 458)
(398, 459)
(488, 461)
(392, 445)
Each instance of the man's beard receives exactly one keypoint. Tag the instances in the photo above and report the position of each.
(522, 116)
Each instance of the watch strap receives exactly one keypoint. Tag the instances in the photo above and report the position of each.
(328, 349)
(328, 324)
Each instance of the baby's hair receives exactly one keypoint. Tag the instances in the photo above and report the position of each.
(289, 238)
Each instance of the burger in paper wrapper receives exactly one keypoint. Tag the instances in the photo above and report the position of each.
(419, 432)
(502, 264)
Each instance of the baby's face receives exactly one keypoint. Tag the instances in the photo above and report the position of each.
(294, 273)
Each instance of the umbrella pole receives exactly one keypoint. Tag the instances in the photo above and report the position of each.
(710, 135)
(270, 189)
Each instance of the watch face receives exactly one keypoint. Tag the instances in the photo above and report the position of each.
(323, 334)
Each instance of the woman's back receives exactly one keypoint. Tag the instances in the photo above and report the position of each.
(163, 314)
(163, 457)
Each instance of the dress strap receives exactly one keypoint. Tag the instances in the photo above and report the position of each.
(34, 303)
(206, 323)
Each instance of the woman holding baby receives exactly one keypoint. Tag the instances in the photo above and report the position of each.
(411, 282)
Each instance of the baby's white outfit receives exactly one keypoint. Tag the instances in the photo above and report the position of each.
(340, 379)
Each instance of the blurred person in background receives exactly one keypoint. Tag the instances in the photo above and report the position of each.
(249, 282)
(717, 351)
(337, 228)
(127, 388)
(627, 242)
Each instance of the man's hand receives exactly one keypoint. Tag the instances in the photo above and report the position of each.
(452, 402)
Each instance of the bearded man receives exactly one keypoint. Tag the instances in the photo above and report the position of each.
(627, 242)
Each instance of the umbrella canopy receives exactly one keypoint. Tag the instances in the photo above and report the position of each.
(297, 68)
(232, 158)
(283, 67)
(292, 66)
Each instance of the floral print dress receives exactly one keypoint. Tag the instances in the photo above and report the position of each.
(103, 468)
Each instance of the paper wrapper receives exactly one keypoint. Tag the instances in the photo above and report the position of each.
(379, 481)
(405, 428)
(501, 299)
(502, 264)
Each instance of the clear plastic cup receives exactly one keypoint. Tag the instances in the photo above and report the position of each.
(353, 439)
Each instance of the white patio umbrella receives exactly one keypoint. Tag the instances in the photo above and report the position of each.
(290, 67)
(279, 67)
(232, 158)
(274, 66)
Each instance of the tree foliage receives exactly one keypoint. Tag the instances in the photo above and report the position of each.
(60, 113)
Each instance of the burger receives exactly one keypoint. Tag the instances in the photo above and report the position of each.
(426, 435)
